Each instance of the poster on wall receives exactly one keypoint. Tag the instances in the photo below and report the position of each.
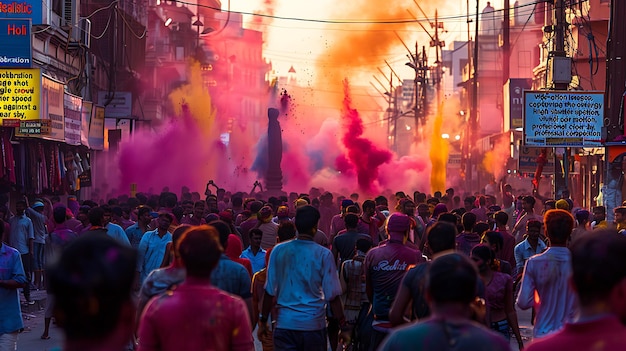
(96, 129)
(52, 111)
(72, 106)
(85, 119)
(20, 95)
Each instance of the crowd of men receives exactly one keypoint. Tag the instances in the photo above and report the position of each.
(317, 270)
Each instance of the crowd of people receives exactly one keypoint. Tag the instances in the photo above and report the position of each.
(315, 271)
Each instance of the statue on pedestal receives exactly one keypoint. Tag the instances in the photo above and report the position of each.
(274, 175)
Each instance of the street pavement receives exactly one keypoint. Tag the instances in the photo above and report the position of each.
(30, 339)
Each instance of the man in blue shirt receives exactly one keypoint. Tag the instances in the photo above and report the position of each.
(302, 278)
(254, 252)
(114, 230)
(21, 238)
(11, 279)
(136, 231)
(152, 246)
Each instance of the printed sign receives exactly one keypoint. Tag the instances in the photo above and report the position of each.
(96, 129)
(20, 91)
(121, 105)
(72, 106)
(15, 43)
(22, 9)
(563, 118)
(33, 128)
(51, 110)
(527, 162)
(85, 120)
(52, 93)
(514, 101)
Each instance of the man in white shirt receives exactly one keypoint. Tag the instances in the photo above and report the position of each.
(545, 283)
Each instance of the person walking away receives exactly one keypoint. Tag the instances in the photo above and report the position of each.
(451, 287)
(97, 271)
(499, 295)
(60, 237)
(441, 239)
(35, 213)
(545, 282)
(599, 279)
(301, 289)
(21, 237)
(385, 266)
(221, 321)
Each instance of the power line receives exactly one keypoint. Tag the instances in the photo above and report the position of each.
(145, 31)
(353, 21)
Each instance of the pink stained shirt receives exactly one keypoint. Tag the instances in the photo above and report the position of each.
(196, 316)
(603, 334)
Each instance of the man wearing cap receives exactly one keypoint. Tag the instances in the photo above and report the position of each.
(21, 238)
(385, 266)
(282, 215)
(451, 290)
(152, 246)
(35, 213)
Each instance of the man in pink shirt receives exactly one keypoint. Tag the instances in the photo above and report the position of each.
(219, 321)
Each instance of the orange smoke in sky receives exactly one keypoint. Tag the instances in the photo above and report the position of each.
(368, 45)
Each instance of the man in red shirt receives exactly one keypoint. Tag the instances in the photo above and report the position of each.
(220, 321)
(599, 278)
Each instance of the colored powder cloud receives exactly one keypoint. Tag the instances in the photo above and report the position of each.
(438, 154)
(361, 156)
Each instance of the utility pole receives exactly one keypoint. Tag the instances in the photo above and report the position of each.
(615, 72)
(614, 101)
(559, 60)
(473, 132)
(506, 42)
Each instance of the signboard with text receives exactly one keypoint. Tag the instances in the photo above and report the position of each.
(120, 106)
(20, 94)
(15, 43)
(527, 161)
(51, 109)
(85, 120)
(72, 106)
(22, 9)
(33, 128)
(563, 118)
(514, 101)
(96, 129)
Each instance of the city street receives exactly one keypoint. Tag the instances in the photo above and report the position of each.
(30, 339)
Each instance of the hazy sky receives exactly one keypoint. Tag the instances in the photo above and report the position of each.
(309, 44)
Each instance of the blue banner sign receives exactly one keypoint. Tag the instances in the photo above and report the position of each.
(15, 43)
